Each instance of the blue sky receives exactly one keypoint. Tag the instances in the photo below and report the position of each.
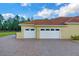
(39, 10)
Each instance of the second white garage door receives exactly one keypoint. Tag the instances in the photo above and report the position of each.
(49, 33)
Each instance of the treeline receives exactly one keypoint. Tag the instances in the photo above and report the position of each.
(11, 24)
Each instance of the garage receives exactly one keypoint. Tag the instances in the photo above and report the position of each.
(46, 33)
(29, 33)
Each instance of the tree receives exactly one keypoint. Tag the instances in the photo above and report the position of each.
(15, 24)
(1, 21)
(46, 18)
(9, 23)
(22, 19)
(28, 19)
(5, 25)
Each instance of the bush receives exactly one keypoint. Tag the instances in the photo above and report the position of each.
(75, 37)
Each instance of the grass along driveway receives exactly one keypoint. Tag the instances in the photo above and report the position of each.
(2, 34)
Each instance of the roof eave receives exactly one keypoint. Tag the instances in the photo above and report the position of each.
(25, 24)
(71, 22)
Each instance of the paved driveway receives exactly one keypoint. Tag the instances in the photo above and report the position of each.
(9, 46)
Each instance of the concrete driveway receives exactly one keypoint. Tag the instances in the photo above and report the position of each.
(9, 46)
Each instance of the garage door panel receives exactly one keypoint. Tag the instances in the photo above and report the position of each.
(52, 34)
(29, 33)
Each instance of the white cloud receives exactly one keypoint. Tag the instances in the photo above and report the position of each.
(63, 11)
(67, 9)
(57, 4)
(45, 13)
(25, 4)
(7, 15)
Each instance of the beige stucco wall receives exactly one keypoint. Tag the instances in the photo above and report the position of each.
(65, 32)
(69, 30)
(19, 35)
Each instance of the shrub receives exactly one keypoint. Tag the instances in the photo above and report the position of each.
(75, 37)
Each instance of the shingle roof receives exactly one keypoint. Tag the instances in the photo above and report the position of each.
(57, 21)
(74, 19)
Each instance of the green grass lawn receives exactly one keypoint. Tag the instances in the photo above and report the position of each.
(2, 34)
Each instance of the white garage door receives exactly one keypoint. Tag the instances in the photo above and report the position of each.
(29, 33)
(50, 33)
